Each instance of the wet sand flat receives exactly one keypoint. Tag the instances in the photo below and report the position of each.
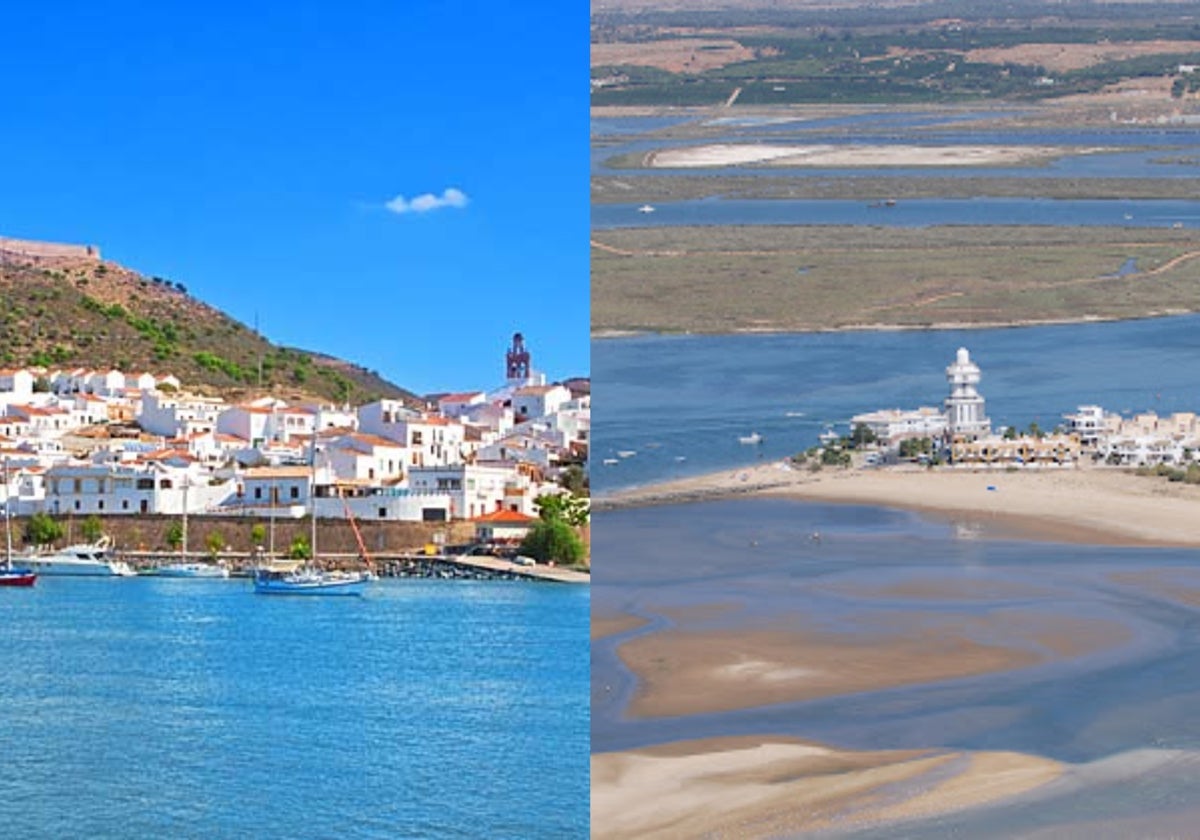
(687, 673)
(747, 787)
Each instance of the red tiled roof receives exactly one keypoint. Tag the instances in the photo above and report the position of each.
(464, 397)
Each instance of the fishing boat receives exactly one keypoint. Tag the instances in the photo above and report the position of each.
(11, 575)
(308, 580)
(82, 559)
(751, 439)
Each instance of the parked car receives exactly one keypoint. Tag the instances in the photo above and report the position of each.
(522, 560)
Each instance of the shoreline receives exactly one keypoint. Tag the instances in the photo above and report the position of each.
(610, 334)
(1083, 505)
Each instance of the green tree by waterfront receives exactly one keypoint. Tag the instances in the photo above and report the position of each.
(258, 535)
(174, 536)
(92, 529)
(862, 436)
(553, 536)
(42, 529)
(300, 549)
(553, 540)
(215, 542)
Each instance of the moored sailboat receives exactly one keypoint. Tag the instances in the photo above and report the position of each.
(311, 579)
(11, 575)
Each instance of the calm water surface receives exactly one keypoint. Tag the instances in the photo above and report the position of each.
(144, 708)
(914, 212)
(1123, 718)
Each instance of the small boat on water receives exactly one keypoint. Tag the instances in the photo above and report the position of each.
(646, 208)
(627, 453)
(11, 575)
(751, 439)
(14, 576)
(83, 559)
(307, 580)
(191, 570)
(611, 462)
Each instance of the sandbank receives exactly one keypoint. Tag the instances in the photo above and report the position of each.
(1085, 505)
(751, 787)
(686, 673)
(828, 155)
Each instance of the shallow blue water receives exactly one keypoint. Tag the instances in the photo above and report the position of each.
(915, 212)
(1122, 717)
(691, 397)
(144, 708)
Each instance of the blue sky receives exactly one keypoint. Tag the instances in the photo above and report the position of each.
(293, 161)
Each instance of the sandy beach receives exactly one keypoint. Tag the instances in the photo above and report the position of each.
(1087, 505)
(749, 787)
(825, 155)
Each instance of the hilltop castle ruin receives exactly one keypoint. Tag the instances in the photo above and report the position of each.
(28, 249)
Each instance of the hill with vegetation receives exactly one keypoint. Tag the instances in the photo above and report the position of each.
(82, 311)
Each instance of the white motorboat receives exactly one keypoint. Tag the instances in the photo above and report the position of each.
(83, 559)
(751, 439)
(192, 570)
(646, 208)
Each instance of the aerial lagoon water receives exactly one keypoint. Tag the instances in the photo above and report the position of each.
(192, 708)
(1083, 656)
(728, 633)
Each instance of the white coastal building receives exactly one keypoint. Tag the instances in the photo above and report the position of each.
(474, 489)
(115, 489)
(890, 426)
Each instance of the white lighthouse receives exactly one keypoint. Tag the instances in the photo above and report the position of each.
(964, 406)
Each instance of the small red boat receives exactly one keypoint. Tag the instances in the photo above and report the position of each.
(17, 577)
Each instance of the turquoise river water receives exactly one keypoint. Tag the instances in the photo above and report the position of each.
(177, 708)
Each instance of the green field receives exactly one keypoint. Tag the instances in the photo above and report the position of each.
(725, 279)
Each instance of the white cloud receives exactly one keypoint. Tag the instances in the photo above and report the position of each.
(450, 197)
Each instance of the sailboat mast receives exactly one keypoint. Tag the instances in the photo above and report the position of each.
(7, 519)
(183, 545)
(312, 489)
(274, 500)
